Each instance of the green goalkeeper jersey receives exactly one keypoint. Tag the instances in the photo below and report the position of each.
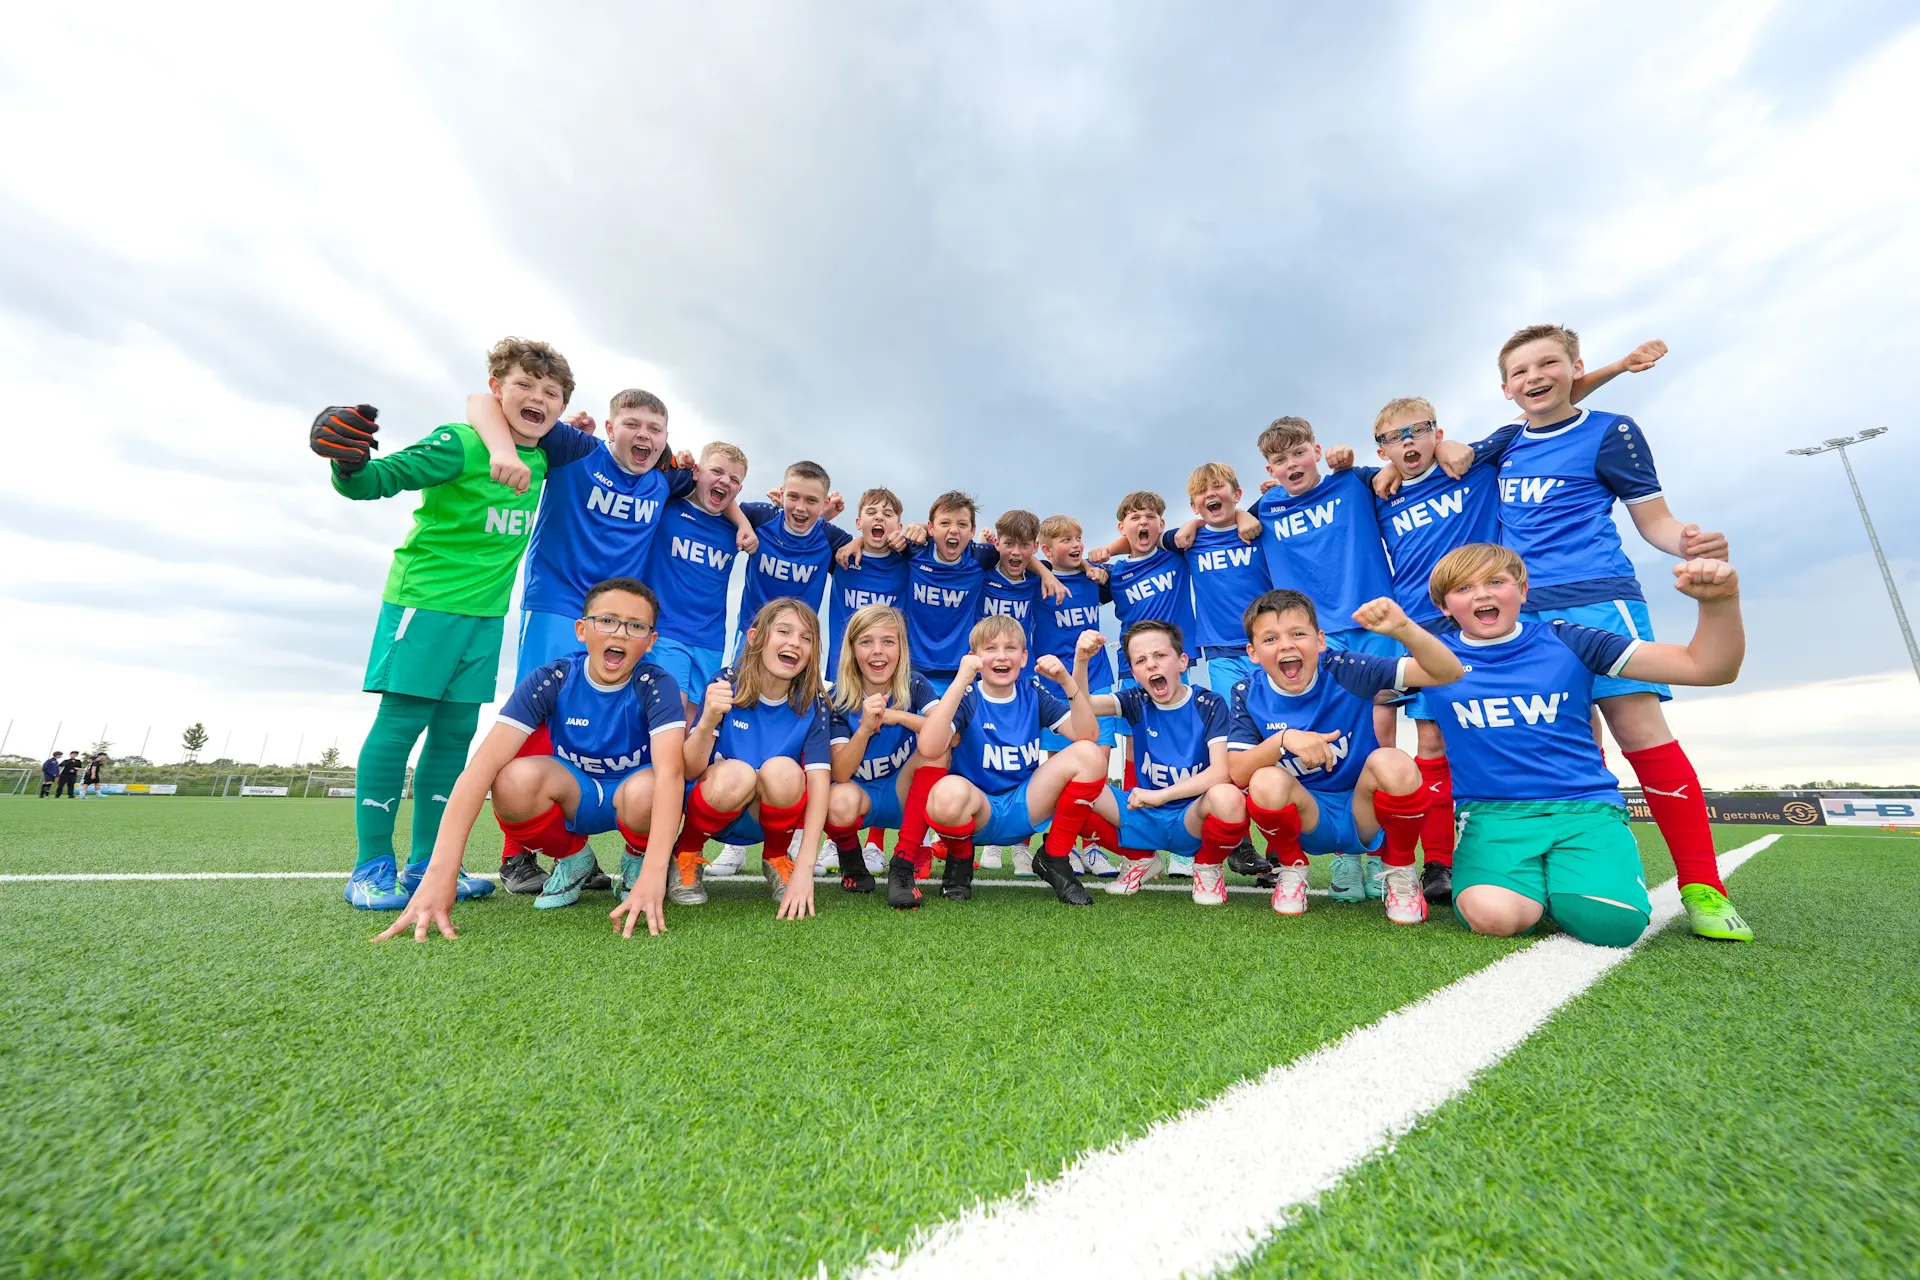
(469, 533)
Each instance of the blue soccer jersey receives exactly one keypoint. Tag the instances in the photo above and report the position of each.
(1326, 544)
(877, 579)
(996, 744)
(1434, 514)
(1017, 600)
(1154, 586)
(772, 730)
(1057, 627)
(1173, 743)
(596, 522)
(603, 730)
(891, 745)
(1339, 700)
(1228, 575)
(1518, 724)
(787, 563)
(1557, 489)
(944, 606)
(689, 570)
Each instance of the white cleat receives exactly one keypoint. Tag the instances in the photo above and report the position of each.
(732, 858)
(828, 863)
(1137, 874)
(875, 858)
(1405, 903)
(1209, 885)
(1290, 890)
(1098, 864)
(1181, 865)
(988, 857)
(1022, 861)
(1078, 863)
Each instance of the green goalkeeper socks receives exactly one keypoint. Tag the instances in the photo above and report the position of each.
(381, 774)
(442, 757)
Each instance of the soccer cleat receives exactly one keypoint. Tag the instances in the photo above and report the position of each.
(1436, 883)
(1349, 878)
(922, 859)
(687, 885)
(1290, 890)
(1246, 861)
(1709, 914)
(1180, 865)
(1209, 884)
(989, 857)
(467, 886)
(855, 878)
(778, 870)
(902, 894)
(732, 858)
(875, 858)
(1405, 903)
(631, 864)
(1376, 872)
(1098, 864)
(1137, 874)
(521, 873)
(956, 880)
(1076, 862)
(565, 881)
(829, 860)
(374, 886)
(1058, 872)
(596, 878)
(1022, 862)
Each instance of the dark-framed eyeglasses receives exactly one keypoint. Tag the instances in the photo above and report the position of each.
(1412, 431)
(608, 625)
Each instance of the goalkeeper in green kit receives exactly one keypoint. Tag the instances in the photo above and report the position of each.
(436, 647)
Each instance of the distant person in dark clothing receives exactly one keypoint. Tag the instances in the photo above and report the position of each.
(90, 780)
(69, 774)
(49, 770)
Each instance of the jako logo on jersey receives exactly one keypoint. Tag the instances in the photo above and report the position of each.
(1239, 557)
(1425, 513)
(579, 721)
(740, 724)
(602, 764)
(512, 523)
(1497, 713)
(1011, 758)
(1527, 488)
(938, 597)
(1305, 520)
(699, 553)
(886, 766)
(1158, 583)
(621, 506)
(785, 570)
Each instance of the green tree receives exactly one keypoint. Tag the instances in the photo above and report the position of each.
(194, 740)
(104, 747)
(330, 758)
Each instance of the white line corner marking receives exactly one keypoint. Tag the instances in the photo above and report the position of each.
(1286, 1137)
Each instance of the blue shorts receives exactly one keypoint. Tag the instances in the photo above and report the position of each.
(1225, 672)
(1361, 640)
(543, 637)
(1161, 828)
(1416, 706)
(1109, 726)
(1009, 822)
(884, 793)
(594, 814)
(940, 683)
(692, 667)
(1622, 617)
(1335, 832)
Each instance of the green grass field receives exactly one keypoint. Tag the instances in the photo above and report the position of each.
(223, 1076)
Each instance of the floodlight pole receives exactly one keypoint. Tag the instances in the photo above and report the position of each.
(1839, 445)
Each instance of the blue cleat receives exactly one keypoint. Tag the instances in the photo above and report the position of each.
(630, 865)
(564, 883)
(469, 886)
(374, 887)
(1376, 876)
(1349, 878)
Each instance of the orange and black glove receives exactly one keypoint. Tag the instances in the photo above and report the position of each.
(343, 434)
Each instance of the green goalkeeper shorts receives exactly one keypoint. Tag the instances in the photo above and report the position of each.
(447, 657)
(1542, 847)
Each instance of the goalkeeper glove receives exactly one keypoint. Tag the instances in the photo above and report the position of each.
(344, 434)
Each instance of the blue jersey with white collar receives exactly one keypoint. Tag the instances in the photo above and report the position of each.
(1228, 575)
(996, 744)
(1017, 600)
(890, 747)
(1518, 724)
(1557, 490)
(692, 562)
(1057, 627)
(1154, 586)
(1173, 743)
(772, 730)
(1326, 544)
(1339, 700)
(877, 579)
(787, 563)
(596, 521)
(603, 730)
(1434, 514)
(945, 604)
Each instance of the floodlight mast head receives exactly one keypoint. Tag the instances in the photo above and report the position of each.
(1838, 442)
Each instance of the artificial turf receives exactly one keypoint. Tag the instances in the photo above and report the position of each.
(224, 1076)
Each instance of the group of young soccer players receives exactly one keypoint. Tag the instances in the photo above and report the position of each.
(961, 694)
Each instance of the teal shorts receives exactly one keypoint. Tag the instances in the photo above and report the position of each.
(1540, 847)
(443, 657)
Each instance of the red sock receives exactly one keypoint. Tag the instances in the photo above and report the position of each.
(546, 834)
(958, 841)
(845, 839)
(701, 822)
(538, 743)
(1070, 816)
(636, 840)
(779, 823)
(1436, 836)
(1129, 778)
(1281, 827)
(1401, 817)
(1218, 838)
(877, 837)
(913, 811)
(1679, 807)
(1096, 830)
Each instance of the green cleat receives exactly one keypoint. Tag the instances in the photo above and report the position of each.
(1376, 877)
(1711, 915)
(1349, 878)
(565, 881)
(630, 865)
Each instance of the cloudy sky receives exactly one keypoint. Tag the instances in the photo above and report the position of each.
(1045, 252)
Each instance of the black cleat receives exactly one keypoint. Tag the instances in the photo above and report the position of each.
(1436, 883)
(596, 878)
(956, 880)
(854, 876)
(521, 873)
(1246, 861)
(1058, 873)
(902, 893)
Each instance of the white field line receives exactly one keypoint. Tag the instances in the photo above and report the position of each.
(82, 877)
(1243, 1165)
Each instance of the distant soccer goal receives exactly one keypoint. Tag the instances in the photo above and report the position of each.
(328, 784)
(13, 781)
(229, 784)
